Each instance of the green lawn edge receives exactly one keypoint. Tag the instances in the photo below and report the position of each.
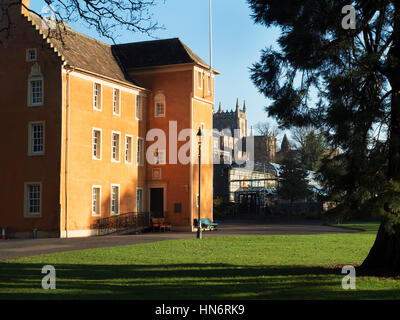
(370, 227)
(292, 267)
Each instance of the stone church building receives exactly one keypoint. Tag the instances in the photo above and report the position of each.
(230, 132)
(227, 122)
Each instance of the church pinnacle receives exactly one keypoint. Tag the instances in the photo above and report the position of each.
(285, 146)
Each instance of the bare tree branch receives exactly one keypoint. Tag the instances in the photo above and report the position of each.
(107, 17)
(266, 129)
(300, 134)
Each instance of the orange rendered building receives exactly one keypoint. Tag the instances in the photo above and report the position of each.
(81, 120)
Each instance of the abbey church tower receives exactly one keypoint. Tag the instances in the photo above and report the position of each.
(232, 120)
(265, 147)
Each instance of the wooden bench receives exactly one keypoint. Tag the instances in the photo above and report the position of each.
(160, 224)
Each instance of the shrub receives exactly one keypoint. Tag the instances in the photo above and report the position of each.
(222, 209)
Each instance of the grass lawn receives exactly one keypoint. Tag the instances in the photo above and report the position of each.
(369, 227)
(242, 267)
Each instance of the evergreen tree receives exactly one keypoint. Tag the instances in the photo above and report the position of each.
(312, 152)
(356, 72)
(293, 184)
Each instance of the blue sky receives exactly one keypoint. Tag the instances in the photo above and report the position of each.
(237, 45)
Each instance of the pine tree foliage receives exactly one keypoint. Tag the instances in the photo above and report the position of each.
(312, 150)
(350, 69)
(293, 183)
(355, 74)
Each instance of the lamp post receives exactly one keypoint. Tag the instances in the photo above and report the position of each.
(199, 140)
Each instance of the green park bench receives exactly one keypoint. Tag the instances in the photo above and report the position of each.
(207, 224)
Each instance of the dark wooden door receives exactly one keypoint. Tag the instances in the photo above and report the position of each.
(157, 202)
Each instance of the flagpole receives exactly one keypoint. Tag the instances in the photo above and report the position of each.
(211, 37)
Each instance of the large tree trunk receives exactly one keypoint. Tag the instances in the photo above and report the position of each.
(384, 257)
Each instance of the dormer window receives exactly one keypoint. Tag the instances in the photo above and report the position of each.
(31, 55)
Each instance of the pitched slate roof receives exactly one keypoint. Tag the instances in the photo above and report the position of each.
(156, 53)
(83, 52)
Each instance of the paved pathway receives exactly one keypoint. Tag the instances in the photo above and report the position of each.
(10, 249)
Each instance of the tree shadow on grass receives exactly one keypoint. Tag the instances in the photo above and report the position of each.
(180, 281)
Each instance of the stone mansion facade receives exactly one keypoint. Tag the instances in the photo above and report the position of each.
(76, 115)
